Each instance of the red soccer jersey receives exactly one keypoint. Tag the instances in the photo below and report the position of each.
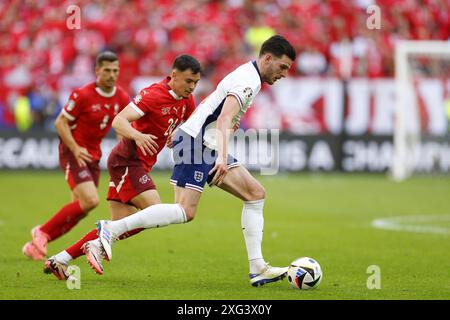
(162, 111)
(91, 111)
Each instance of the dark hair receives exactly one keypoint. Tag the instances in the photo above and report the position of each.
(185, 61)
(278, 45)
(105, 56)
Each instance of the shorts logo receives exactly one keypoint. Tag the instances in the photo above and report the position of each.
(198, 176)
(83, 174)
(144, 179)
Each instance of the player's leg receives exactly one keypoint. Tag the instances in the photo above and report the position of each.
(91, 246)
(59, 263)
(240, 183)
(83, 182)
(155, 216)
(95, 254)
(121, 206)
(63, 220)
(189, 179)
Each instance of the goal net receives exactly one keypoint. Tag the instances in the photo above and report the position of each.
(422, 110)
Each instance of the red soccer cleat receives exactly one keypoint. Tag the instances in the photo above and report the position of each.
(40, 240)
(32, 252)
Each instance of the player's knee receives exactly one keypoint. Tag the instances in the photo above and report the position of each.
(257, 193)
(89, 202)
(190, 214)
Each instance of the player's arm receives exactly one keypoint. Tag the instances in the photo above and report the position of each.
(63, 129)
(122, 125)
(225, 129)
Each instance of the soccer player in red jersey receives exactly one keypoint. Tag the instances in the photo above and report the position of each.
(81, 126)
(146, 124)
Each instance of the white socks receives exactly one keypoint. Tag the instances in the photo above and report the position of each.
(252, 227)
(63, 257)
(155, 216)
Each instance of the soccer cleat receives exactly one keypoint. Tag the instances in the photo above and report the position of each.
(58, 269)
(95, 254)
(40, 240)
(269, 274)
(107, 237)
(31, 252)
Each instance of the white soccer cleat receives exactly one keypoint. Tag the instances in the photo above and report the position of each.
(269, 274)
(95, 255)
(106, 236)
(58, 269)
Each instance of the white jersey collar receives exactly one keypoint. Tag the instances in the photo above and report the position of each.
(174, 95)
(106, 94)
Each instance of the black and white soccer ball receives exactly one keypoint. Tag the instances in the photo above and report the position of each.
(304, 273)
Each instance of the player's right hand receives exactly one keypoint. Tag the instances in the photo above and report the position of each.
(147, 144)
(82, 156)
(220, 170)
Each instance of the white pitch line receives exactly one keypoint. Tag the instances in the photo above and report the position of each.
(403, 223)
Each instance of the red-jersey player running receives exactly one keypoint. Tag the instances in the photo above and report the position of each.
(146, 125)
(81, 126)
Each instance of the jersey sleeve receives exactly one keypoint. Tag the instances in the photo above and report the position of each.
(74, 106)
(142, 103)
(243, 93)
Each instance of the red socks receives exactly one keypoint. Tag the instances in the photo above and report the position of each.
(64, 220)
(76, 250)
(130, 233)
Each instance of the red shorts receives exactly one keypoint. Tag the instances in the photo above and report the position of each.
(74, 174)
(128, 178)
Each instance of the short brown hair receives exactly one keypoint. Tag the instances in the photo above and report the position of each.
(278, 45)
(105, 56)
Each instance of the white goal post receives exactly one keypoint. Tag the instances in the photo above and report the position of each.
(407, 129)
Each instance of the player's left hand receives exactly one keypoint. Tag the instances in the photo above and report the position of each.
(169, 142)
(221, 170)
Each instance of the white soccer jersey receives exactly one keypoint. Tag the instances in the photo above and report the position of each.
(243, 83)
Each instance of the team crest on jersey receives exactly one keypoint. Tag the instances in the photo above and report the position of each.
(144, 179)
(183, 111)
(137, 99)
(198, 176)
(96, 107)
(116, 108)
(165, 110)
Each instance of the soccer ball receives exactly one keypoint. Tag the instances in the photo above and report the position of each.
(304, 273)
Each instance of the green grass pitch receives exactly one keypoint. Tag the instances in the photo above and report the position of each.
(327, 217)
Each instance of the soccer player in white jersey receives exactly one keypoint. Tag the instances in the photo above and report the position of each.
(221, 111)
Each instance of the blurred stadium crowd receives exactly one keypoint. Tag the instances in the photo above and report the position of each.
(41, 60)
